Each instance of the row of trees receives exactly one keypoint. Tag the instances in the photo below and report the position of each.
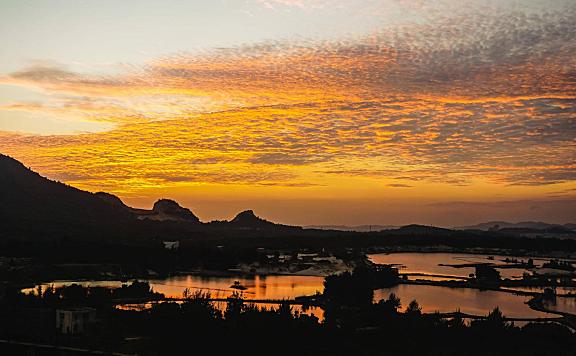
(78, 295)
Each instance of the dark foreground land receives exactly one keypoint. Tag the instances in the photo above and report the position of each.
(353, 325)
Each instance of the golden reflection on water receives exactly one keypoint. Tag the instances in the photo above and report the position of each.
(258, 287)
(274, 287)
(430, 298)
(436, 263)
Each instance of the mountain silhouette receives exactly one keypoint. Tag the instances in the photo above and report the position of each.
(354, 228)
(163, 209)
(166, 209)
(247, 219)
(114, 201)
(415, 229)
(28, 198)
(532, 225)
(33, 205)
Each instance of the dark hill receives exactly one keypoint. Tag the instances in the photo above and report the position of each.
(166, 209)
(248, 220)
(32, 203)
(34, 207)
(113, 201)
(415, 229)
(163, 210)
(500, 225)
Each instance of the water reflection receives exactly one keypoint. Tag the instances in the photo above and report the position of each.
(258, 287)
(470, 301)
(559, 290)
(425, 263)
(435, 263)
(565, 305)
(431, 298)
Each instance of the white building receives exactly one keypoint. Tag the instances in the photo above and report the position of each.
(74, 320)
(171, 245)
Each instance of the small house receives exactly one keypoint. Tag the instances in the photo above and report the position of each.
(171, 245)
(74, 320)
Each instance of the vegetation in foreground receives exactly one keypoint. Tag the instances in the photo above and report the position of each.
(353, 325)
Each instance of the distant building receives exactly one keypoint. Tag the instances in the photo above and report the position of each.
(306, 256)
(171, 245)
(74, 320)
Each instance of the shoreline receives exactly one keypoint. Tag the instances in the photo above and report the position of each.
(472, 251)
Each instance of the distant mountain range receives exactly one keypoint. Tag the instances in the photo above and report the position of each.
(524, 225)
(163, 209)
(357, 228)
(30, 200)
(501, 226)
(33, 206)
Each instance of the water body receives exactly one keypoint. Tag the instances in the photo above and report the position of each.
(559, 290)
(257, 287)
(430, 263)
(470, 301)
(566, 305)
(430, 298)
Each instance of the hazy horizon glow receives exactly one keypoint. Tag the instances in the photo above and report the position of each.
(307, 111)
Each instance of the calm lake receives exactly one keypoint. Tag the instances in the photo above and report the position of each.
(258, 287)
(566, 305)
(469, 301)
(430, 298)
(432, 263)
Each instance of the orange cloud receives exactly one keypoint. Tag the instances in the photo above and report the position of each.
(489, 100)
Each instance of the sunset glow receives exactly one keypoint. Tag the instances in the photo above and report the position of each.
(454, 113)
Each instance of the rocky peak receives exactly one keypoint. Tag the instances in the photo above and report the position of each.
(247, 218)
(166, 209)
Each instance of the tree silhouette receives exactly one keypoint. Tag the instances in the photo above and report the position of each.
(413, 308)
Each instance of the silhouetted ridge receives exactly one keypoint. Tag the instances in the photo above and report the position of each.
(421, 229)
(163, 210)
(33, 207)
(247, 219)
(166, 209)
(30, 202)
(112, 200)
(247, 216)
(505, 226)
(353, 228)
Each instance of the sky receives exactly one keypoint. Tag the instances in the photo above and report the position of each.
(309, 112)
